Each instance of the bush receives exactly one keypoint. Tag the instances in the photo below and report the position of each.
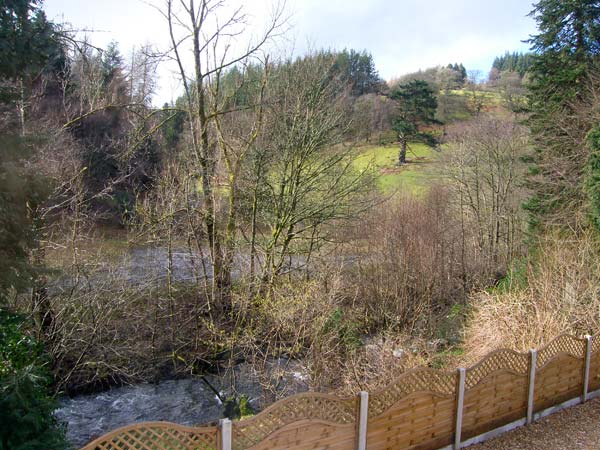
(26, 407)
(416, 263)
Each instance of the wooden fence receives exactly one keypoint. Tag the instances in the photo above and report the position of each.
(422, 409)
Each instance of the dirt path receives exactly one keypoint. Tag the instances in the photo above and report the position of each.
(575, 428)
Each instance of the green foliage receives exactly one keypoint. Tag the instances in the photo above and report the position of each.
(566, 53)
(592, 181)
(28, 44)
(460, 71)
(513, 62)
(567, 44)
(26, 38)
(241, 87)
(358, 70)
(515, 279)
(236, 408)
(449, 329)
(26, 420)
(246, 409)
(173, 128)
(26, 408)
(417, 106)
(572, 27)
(27, 48)
(112, 63)
(445, 357)
(346, 331)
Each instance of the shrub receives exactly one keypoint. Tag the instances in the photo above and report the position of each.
(26, 407)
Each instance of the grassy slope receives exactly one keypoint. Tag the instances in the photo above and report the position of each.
(417, 175)
(490, 98)
(413, 177)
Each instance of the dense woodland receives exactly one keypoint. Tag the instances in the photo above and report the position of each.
(268, 177)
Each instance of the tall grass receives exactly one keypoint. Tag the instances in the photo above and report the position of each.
(557, 291)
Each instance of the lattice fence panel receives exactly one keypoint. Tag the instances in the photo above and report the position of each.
(562, 344)
(596, 343)
(249, 432)
(595, 372)
(157, 436)
(420, 380)
(499, 360)
(499, 399)
(422, 420)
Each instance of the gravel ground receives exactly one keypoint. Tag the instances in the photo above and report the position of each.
(576, 428)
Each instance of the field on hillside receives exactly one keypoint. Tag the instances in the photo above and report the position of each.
(491, 98)
(414, 177)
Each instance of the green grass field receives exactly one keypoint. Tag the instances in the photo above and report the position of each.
(414, 177)
(490, 98)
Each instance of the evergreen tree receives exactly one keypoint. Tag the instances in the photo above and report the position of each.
(358, 70)
(26, 406)
(112, 72)
(463, 73)
(592, 182)
(112, 63)
(513, 62)
(173, 128)
(417, 106)
(27, 39)
(567, 48)
(27, 421)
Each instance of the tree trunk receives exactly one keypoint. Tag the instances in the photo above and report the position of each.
(402, 154)
(221, 275)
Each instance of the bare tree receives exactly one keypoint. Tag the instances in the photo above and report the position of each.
(474, 87)
(212, 32)
(483, 163)
(303, 170)
(513, 91)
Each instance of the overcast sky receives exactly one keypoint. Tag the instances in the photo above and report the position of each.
(402, 35)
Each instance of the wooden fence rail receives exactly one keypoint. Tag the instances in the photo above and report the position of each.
(422, 409)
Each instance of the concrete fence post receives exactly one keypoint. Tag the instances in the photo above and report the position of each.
(363, 417)
(586, 373)
(460, 401)
(226, 434)
(531, 392)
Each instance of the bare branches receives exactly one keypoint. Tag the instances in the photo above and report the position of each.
(483, 163)
(211, 39)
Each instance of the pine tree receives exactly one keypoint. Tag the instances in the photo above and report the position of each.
(513, 62)
(592, 181)
(566, 47)
(417, 106)
(566, 53)
(27, 47)
(358, 70)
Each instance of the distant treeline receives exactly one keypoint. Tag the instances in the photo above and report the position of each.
(452, 76)
(513, 62)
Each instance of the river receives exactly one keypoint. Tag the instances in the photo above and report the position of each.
(185, 401)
